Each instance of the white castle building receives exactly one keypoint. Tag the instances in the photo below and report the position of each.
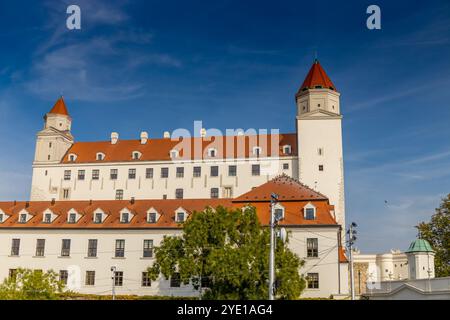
(97, 205)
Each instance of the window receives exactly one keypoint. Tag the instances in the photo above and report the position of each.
(120, 248)
(148, 249)
(72, 158)
(1, 217)
(180, 172)
(118, 278)
(214, 193)
(23, 218)
(136, 155)
(15, 247)
(81, 174)
(320, 151)
(257, 151)
(40, 247)
(228, 192)
(175, 280)
(285, 166)
(149, 173)
(320, 167)
(47, 218)
(119, 194)
(212, 152)
(287, 149)
(63, 275)
(125, 217)
(197, 172)
(214, 171)
(65, 248)
(313, 280)
(180, 216)
(164, 172)
(67, 174)
(95, 174)
(312, 247)
(132, 174)
(100, 156)
(66, 193)
(49, 144)
(146, 281)
(173, 154)
(151, 218)
(256, 170)
(98, 217)
(92, 248)
(90, 278)
(114, 174)
(279, 214)
(232, 170)
(179, 193)
(310, 213)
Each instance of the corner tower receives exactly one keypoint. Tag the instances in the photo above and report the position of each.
(319, 134)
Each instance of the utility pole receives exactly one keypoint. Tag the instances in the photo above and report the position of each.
(351, 240)
(113, 270)
(273, 200)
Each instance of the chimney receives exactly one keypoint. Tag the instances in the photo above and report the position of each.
(132, 200)
(27, 204)
(114, 137)
(203, 132)
(144, 137)
(166, 135)
(90, 202)
(53, 201)
(15, 203)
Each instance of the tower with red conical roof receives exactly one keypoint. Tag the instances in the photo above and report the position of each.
(319, 134)
(52, 143)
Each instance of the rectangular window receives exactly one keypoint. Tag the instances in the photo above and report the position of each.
(125, 217)
(67, 174)
(149, 173)
(256, 170)
(120, 248)
(72, 218)
(228, 192)
(309, 213)
(232, 170)
(313, 280)
(118, 278)
(285, 166)
(81, 174)
(40, 247)
(90, 278)
(179, 193)
(148, 249)
(92, 248)
(214, 171)
(95, 174)
(151, 217)
(214, 193)
(180, 172)
(119, 194)
(65, 248)
(66, 193)
(312, 247)
(146, 281)
(114, 174)
(47, 218)
(1, 217)
(63, 275)
(320, 151)
(164, 172)
(197, 172)
(15, 247)
(180, 216)
(98, 217)
(23, 218)
(320, 167)
(132, 174)
(175, 280)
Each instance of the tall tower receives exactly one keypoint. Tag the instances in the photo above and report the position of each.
(319, 134)
(52, 144)
(420, 260)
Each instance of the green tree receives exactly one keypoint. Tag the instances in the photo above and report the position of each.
(28, 284)
(437, 233)
(229, 250)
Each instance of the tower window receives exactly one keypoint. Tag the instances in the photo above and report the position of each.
(49, 144)
(320, 151)
(48, 158)
(321, 167)
(318, 105)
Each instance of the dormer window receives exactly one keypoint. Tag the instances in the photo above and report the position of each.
(257, 151)
(136, 155)
(151, 217)
(174, 154)
(309, 212)
(180, 217)
(47, 218)
(99, 217)
(279, 212)
(287, 149)
(1, 218)
(212, 153)
(124, 217)
(72, 157)
(100, 156)
(72, 218)
(23, 218)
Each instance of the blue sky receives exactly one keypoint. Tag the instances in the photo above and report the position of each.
(160, 65)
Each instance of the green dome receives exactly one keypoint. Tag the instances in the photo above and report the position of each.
(419, 245)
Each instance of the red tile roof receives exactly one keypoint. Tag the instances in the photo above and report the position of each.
(316, 77)
(342, 257)
(60, 108)
(159, 149)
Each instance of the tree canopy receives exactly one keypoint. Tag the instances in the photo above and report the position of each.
(437, 233)
(26, 284)
(228, 250)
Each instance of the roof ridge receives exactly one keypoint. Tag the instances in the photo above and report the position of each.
(285, 176)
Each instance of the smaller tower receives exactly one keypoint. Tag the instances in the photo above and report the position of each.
(420, 260)
(55, 139)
